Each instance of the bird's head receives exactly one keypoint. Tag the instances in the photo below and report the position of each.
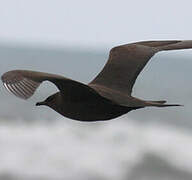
(50, 101)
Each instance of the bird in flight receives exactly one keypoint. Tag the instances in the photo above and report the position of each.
(108, 95)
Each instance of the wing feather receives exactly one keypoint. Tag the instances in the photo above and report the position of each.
(23, 83)
(19, 85)
(127, 61)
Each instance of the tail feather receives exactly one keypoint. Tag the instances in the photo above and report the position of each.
(160, 102)
(157, 104)
(168, 105)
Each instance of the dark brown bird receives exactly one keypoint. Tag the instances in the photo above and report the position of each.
(108, 95)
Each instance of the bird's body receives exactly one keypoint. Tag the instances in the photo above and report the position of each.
(87, 109)
(108, 95)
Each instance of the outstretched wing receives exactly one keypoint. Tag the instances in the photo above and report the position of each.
(127, 61)
(23, 83)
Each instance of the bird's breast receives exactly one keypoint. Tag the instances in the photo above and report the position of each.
(90, 110)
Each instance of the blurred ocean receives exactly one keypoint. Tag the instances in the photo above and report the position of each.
(36, 143)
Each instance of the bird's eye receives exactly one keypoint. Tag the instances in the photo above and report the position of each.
(49, 99)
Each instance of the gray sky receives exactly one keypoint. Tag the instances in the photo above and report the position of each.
(98, 24)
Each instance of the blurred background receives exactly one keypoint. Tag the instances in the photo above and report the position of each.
(73, 38)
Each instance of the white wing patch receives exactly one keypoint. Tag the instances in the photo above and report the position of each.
(19, 85)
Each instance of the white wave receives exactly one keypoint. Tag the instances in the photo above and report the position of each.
(71, 150)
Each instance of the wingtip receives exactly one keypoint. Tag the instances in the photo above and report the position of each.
(18, 84)
(185, 44)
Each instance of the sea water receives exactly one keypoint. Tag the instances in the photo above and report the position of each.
(120, 149)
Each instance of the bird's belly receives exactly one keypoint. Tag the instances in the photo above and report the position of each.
(92, 111)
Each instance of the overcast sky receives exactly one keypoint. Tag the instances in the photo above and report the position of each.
(86, 23)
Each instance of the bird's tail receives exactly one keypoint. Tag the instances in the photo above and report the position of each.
(161, 104)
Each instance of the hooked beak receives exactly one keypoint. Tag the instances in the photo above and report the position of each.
(40, 103)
